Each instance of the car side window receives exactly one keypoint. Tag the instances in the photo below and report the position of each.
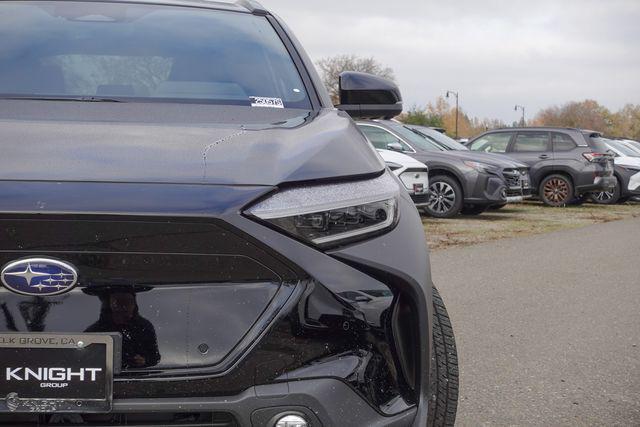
(381, 138)
(531, 142)
(562, 142)
(492, 143)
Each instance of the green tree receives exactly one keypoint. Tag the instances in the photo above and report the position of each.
(421, 117)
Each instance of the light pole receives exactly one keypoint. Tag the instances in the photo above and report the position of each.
(520, 107)
(450, 92)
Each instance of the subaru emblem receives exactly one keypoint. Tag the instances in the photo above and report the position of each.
(39, 276)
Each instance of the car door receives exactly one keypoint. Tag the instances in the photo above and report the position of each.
(563, 152)
(533, 148)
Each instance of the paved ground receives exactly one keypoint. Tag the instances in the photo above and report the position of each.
(548, 327)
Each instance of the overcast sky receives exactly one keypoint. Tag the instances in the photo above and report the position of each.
(496, 53)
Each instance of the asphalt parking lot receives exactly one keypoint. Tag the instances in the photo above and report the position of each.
(547, 326)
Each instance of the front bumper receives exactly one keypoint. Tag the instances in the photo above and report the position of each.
(322, 402)
(317, 335)
(600, 183)
(485, 190)
(634, 184)
(421, 200)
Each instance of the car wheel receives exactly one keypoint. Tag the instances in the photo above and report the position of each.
(473, 210)
(607, 197)
(556, 190)
(446, 197)
(444, 368)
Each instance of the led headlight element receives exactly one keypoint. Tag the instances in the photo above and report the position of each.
(479, 166)
(333, 213)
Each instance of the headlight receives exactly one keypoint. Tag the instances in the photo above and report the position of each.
(328, 215)
(393, 166)
(479, 166)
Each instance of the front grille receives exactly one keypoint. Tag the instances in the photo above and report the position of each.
(516, 179)
(167, 271)
(512, 177)
(201, 419)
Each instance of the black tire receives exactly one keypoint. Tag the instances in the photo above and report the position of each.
(624, 199)
(473, 210)
(608, 197)
(444, 368)
(556, 190)
(446, 197)
(580, 200)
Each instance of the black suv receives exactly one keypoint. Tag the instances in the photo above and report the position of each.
(191, 233)
(459, 181)
(565, 163)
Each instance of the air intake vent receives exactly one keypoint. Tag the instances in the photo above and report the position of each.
(200, 419)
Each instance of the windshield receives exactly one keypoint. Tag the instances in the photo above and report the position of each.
(621, 149)
(417, 141)
(119, 51)
(635, 146)
(440, 138)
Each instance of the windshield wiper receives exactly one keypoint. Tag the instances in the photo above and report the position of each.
(62, 98)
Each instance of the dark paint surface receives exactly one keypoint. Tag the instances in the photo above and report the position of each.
(147, 199)
(173, 143)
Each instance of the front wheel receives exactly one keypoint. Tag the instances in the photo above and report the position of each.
(446, 197)
(556, 190)
(608, 197)
(444, 368)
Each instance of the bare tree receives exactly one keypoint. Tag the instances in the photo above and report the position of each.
(332, 67)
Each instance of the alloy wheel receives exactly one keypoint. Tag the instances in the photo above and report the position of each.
(556, 190)
(603, 196)
(443, 197)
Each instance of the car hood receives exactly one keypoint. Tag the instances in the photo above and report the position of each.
(627, 161)
(178, 143)
(401, 159)
(500, 160)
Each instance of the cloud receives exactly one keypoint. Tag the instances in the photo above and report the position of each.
(496, 53)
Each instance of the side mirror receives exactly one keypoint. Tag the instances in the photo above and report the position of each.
(395, 146)
(365, 96)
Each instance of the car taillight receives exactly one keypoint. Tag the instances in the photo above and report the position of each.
(594, 157)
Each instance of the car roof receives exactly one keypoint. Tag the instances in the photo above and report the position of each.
(246, 6)
(586, 132)
(511, 129)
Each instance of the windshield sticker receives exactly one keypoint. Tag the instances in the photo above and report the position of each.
(259, 101)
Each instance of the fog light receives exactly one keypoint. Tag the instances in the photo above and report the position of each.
(291, 421)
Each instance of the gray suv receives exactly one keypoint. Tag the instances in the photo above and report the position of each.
(459, 181)
(564, 163)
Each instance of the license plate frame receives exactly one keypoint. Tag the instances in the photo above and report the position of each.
(38, 390)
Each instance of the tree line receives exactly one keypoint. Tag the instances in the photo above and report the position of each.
(587, 114)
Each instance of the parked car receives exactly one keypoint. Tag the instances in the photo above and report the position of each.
(413, 174)
(458, 181)
(518, 185)
(626, 171)
(565, 164)
(181, 208)
(440, 138)
(634, 145)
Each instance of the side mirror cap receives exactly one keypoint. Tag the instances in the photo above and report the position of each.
(395, 146)
(365, 96)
